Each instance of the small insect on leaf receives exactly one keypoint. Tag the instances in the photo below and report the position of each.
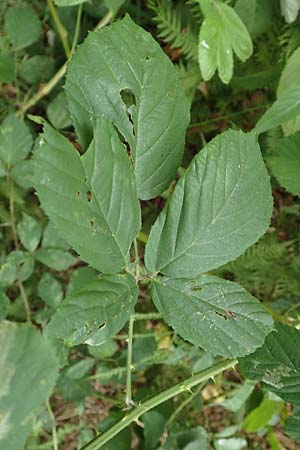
(231, 314)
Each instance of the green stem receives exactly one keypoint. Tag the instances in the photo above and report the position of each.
(147, 316)
(52, 417)
(137, 412)
(77, 28)
(183, 405)
(128, 400)
(227, 116)
(63, 34)
(47, 88)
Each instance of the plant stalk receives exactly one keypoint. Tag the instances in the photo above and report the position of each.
(77, 28)
(137, 412)
(128, 399)
(63, 34)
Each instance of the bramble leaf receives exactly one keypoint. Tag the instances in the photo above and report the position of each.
(220, 206)
(28, 370)
(94, 313)
(285, 108)
(222, 32)
(85, 196)
(284, 160)
(215, 314)
(277, 363)
(120, 72)
(290, 76)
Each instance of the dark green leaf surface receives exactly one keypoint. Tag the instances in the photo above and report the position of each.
(55, 258)
(22, 25)
(284, 160)
(215, 314)
(122, 73)
(15, 140)
(28, 371)
(292, 427)
(290, 76)
(285, 108)
(95, 312)
(277, 363)
(7, 67)
(220, 207)
(91, 200)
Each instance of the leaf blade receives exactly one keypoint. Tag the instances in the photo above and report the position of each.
(153, 122)
(215, 314)
(89, 215)
(202, 226)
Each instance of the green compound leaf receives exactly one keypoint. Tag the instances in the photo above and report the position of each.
(30, 232)
(95, 312)
(28, 370)
(285, 108)
(15, 140)
(215, 314)
(221, 206)
(22, 26)
(284, 161)
(290, 76)
(222, 32)
(120, 72)
(85, 196)
(277, 363)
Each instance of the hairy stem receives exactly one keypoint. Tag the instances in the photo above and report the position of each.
(63, 34)
(137, 412)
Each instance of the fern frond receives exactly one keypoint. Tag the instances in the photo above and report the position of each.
(266, 269)
(175, 26)
(190, 77)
